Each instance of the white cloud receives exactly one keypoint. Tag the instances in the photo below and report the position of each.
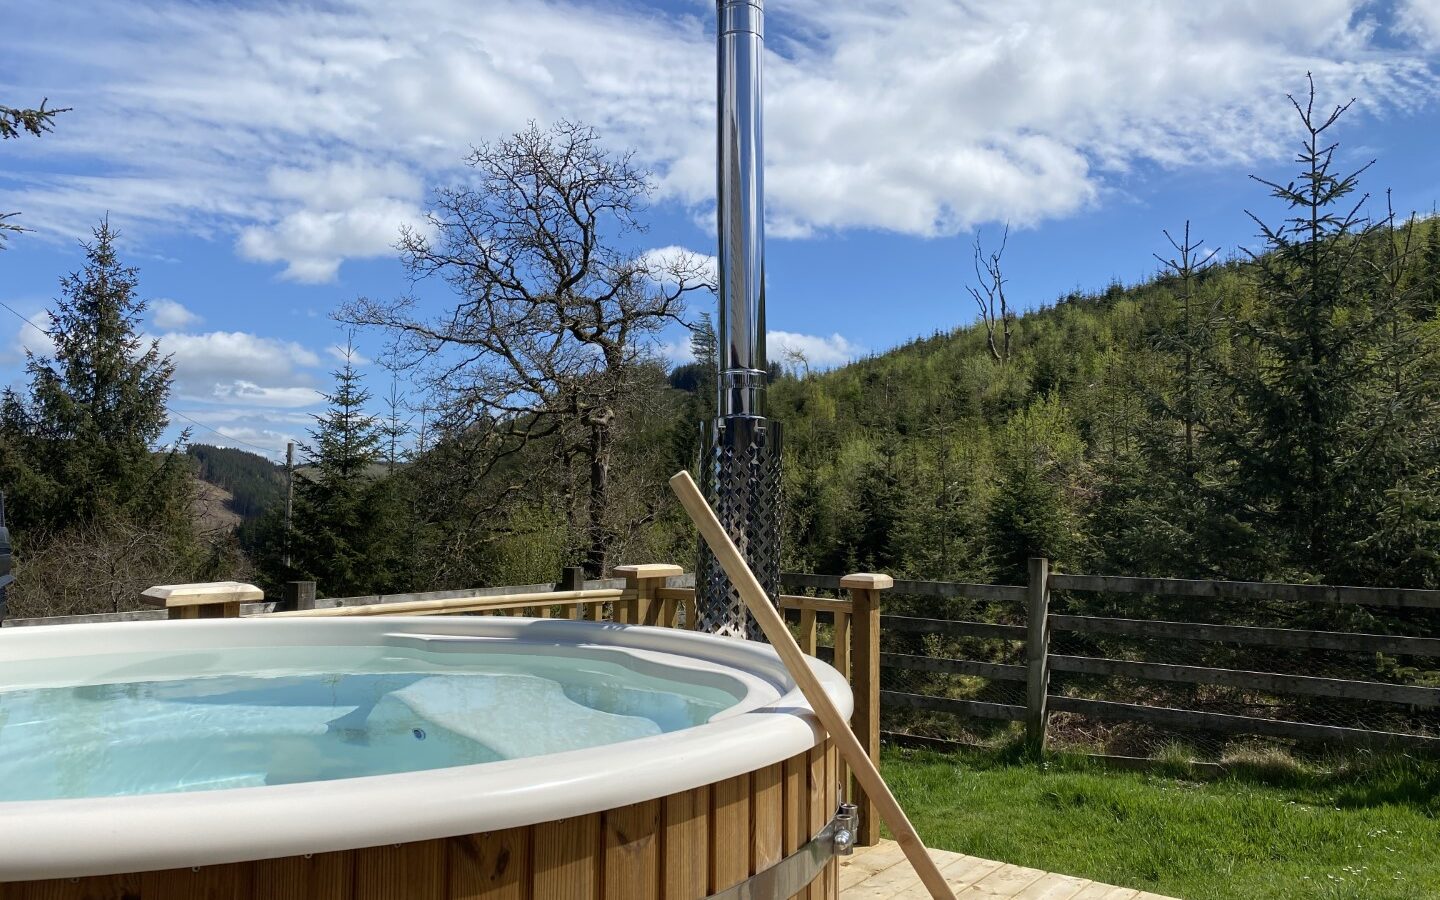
(171, 315)
(250, 439)
(249, 392)
(339, 210)
(1421, 20)
(245, 417)
(33, 336)
(264, 433)
(677, 352)
(820, 352)
(306, 132)
(959, 113)
(665, 262)
(238, 367)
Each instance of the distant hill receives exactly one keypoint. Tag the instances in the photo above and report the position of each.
(212, 508)
(252, 482)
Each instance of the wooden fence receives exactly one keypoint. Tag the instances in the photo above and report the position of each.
(1043, 624)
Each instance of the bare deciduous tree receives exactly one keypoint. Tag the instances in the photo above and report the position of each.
(989, 296)
(103, 566)
(797, 360)
(554, 321)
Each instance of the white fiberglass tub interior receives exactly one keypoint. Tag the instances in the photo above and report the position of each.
(113, 724)
(294, 735)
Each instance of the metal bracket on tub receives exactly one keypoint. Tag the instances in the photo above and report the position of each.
(790, 875)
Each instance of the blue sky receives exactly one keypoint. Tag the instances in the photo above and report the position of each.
(259, 157)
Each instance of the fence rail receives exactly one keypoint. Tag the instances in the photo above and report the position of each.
(1036, 662)
(1189, 718)
(1292, 638)
(1248, 590)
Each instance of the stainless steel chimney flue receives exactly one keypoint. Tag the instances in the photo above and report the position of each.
(740, 191)
(740, 463)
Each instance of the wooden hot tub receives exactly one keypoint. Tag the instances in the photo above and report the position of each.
(681, 816)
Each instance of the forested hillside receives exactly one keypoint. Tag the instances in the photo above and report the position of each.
(255, 483)
(1166, 428)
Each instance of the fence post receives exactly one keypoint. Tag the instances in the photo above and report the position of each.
(865, 588)
(1037, 655)
(206, 600)
(572, 578)
(298, 595)
(644, 580)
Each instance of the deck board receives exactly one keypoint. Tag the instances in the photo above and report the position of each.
(881, 873)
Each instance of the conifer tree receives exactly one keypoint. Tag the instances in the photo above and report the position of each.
(705, 347)
(1191, 338)
(81, 446)
(340, 527)
(1303, 444)
(1430, 273)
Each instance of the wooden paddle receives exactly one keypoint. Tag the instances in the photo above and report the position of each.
(794, 658)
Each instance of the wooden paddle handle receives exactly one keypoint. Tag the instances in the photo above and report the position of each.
(790, 653)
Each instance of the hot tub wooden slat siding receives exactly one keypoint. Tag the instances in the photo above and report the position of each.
(687, 824)
(681, 847)
(632, 851)
(565, 858)
(767, 809)
(819, 784)
(323, 876)
(494, 864)
(730, 824)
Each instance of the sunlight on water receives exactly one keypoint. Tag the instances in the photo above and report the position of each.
(225, 731)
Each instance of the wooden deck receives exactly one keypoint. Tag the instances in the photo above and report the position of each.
(881, 873)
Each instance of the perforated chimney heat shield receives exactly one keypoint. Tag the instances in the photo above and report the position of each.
(740, 459)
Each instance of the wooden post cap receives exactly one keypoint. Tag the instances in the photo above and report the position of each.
(867, 581)
(650, 570)
(203, 594)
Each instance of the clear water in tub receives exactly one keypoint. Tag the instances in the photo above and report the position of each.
(321, 713)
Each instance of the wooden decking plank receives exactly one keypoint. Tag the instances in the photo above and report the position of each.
(1098, 891)
(868, 862)
(964, 871)
(1054, 887)
(901, 882)
(882, 873)
(894, 882)
(1006, 881)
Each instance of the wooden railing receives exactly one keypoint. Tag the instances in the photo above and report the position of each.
(571, 604)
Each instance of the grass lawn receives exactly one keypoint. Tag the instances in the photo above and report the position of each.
(1367, 829)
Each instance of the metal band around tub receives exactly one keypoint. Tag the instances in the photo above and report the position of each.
(788, 876)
